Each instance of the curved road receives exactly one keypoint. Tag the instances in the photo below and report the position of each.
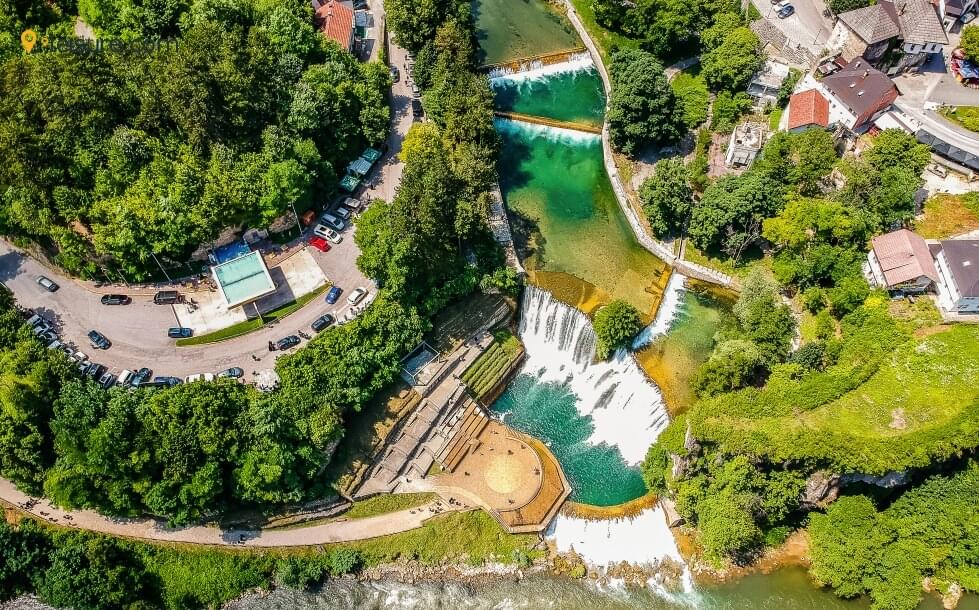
(138, 330)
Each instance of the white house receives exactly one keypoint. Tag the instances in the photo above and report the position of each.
(958, 269)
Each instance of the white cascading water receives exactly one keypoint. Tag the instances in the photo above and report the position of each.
(669, 307)
(536, 69)
(626, 409)
(570, 137)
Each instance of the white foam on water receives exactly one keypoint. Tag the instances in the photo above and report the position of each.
(537, 70)
(555, 134)
(641, 540)
(627, 410)
(669, 307)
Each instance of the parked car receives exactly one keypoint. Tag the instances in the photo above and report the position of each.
(353, 204)
(98, 340)
(47, 283)
(308, 217)
(116, 299)
(333, 294)
(332, 221)
(141, 376)
(357, 295)
(342, 213)
(395, 75)
(180, 332)
(94, 370)
(327, 233)
(107, 380)
(322, 322)
(786, 11)
(199, 377)
(234, 373)
(167, 381)
(415, 91)
(318, 242)
(416, 109)
(80, 356)
(35, 321)
(167, 297)
(125, 378)
(968, 17)
(331, 236)
(286, 342)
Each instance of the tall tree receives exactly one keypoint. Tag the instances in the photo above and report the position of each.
(643, 108)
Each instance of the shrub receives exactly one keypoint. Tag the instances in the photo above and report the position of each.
(615, 324)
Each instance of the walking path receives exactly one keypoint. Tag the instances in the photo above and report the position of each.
(658, 248)
(151, 529)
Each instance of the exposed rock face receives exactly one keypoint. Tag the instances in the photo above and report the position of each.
(891, 479)
(673, 518)
(689, 442)
(821, 489)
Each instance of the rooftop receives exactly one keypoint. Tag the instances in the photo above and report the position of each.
(860, 86)
(808, 108)
(904, 256)
(872, 23)
(336, 22)
(963, 262)
(243, 279)
(914, 21)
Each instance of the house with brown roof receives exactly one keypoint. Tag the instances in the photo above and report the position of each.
(958, 269)
(335, 21)
(857, 94)
(808, 109)
(869, 32)
(901, 262)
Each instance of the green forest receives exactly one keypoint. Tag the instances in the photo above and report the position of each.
(111, 157)
(195, 451)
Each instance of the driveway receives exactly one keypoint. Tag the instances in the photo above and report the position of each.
(807, 27)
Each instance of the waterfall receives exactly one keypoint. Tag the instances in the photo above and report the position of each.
(669, 307)
(626, 409)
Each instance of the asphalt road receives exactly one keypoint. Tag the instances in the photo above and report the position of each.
(807, 27)
(138, 331)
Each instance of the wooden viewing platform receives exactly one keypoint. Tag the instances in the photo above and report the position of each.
(539, 120)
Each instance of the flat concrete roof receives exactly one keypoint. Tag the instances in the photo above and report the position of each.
(244, 279)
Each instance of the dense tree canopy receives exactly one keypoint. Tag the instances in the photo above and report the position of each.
(666, 197)
(731, 57)
(615, 326)
(970, 42)
(730, 214)
(124, 155)
(643, 108)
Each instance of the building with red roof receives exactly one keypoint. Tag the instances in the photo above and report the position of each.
(808, 109)
(336, 22)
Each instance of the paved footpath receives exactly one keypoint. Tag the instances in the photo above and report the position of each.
(153, 530)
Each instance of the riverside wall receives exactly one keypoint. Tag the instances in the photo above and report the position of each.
(655, 246)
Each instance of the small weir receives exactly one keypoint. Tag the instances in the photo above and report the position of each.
(534, 62)
(539, 120)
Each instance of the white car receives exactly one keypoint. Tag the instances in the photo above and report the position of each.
(357, 296)
(199, 377)
(124, 377)
(353, 204)
(328, 234)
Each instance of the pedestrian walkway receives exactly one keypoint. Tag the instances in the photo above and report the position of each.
(155, 530)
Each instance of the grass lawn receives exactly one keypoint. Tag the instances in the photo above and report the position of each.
(472, 537)
(774, 118)
(493, 364)
(365, 433)
(966, 116)
(243, 328)
(387, 503)
(922, 384)
(606, 40)
(946, 215)
(753, 258)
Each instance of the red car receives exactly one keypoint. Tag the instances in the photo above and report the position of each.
(319, 243)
